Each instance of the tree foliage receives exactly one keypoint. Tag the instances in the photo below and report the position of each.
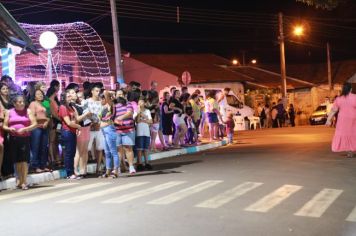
(324, 4)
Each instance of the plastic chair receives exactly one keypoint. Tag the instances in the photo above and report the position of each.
(240, 123)
(254, 120)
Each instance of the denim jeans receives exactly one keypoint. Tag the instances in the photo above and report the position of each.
(39, 148)
(110, 148)
(69, 143)
(230, 137)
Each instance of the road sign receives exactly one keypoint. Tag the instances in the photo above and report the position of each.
(186, 78)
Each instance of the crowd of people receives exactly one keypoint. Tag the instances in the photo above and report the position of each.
(43, 127)
(276, 115)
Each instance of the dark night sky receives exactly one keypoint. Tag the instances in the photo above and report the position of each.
(225, 28)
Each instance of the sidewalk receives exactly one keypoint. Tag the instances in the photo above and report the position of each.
(61, 174)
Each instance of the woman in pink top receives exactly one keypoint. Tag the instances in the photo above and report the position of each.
(19, 122)
(39, 136)
(345, 132)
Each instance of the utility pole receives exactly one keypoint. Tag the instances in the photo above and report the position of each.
(243, 57)
(115, 29)
(282, 58)
(329, 65)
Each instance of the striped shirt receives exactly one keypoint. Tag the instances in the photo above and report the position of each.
(127, 125)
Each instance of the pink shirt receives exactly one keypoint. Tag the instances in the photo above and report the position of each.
(18, 120)
(39, 112)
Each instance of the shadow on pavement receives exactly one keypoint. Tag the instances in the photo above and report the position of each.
(173, 165)
(140, 174)
(164, 168)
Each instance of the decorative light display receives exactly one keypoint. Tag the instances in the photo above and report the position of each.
(8, 63)
(78, 56)
(48, 40)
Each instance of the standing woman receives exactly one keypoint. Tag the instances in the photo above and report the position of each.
(180, 128)
(4, 106)
(39, 136)
(125, 130)
(69, 132)
(268, 122)
(19, 121)
(153, 106)
(81, 154)
(345, 133)
(212, 110)
(55, 122)
(109, 132)
(167, 118)
(291, 114)
(6, 167)
(1, 140)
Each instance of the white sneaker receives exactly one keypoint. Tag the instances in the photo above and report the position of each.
(132, 170)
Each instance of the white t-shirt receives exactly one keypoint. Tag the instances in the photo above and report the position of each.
(95, 108)
(142, 128)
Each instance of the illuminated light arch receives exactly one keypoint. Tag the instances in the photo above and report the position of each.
(79, 56)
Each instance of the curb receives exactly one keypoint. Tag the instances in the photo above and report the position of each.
(61, 174)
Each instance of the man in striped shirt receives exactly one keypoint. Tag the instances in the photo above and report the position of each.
(125, 128)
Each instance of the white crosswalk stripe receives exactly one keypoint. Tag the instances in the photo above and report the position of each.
(352, 216)
(229, 195)
(35, 190)
(174, 197)
(319, 203)
(315, 207)
(274, 198)
(60, 193)
(101, 193)
(144, 192)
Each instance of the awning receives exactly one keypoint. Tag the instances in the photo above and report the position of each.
(11, 32)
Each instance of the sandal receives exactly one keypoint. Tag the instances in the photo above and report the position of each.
(24, 187)
(104, 176)
(38, 171)
(114, 176)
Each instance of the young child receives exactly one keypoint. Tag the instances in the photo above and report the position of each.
(230, 125)
(192, 136)
(221, 128)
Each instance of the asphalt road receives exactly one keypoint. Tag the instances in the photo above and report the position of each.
(272, 182)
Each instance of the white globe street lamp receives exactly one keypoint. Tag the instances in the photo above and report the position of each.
(48, 41)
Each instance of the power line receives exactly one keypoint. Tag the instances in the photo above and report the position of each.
(192, 16)
(37, 5)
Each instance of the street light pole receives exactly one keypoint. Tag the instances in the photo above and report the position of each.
(282, 58)
(329, 65)
(115, 28)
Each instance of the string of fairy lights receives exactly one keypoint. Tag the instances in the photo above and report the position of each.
(79, 55)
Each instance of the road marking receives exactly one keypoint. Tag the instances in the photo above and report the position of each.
(274, 198)
(352, 216)
(144, 192)
(101, 193)
(60, 193)
(34, 190)
(229, 195)
(319, 203)
(185, 193)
